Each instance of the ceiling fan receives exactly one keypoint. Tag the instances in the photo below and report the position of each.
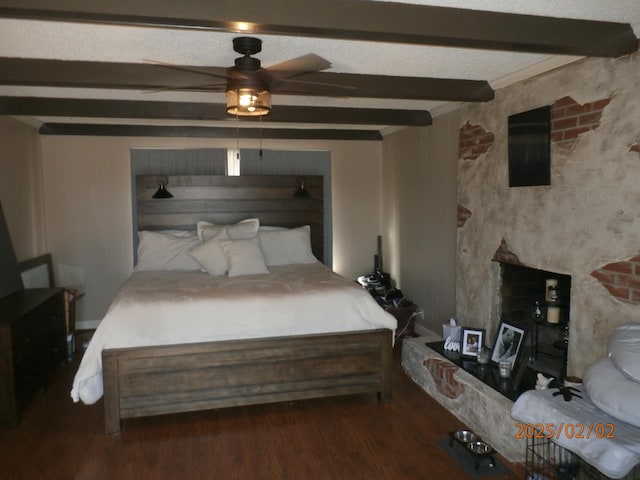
(248, 85)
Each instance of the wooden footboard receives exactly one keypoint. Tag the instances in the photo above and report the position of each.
(180, 378)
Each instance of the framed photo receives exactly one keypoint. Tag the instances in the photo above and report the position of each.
(509, 342)
(471, 342)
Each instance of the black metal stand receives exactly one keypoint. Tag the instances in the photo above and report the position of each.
(479, 455)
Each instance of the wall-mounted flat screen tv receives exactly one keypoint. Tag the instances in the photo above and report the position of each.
(530, 148)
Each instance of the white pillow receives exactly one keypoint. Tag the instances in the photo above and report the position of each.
(612, 392)
(624, 350)
(244, 257)
(245, 229)
(166, 250)
(287, 247)
(210, 255)
(270, 228)
(207, 231)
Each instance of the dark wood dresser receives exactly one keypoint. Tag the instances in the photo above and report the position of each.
(32, 345)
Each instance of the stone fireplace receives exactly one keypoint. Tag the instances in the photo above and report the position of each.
(524, 300)
(584, 225)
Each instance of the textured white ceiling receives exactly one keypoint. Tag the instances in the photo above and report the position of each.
(112, 43)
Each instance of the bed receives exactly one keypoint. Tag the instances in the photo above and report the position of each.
(188, 340)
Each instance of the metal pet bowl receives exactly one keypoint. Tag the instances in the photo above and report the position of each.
(465, 436)
(480, 448)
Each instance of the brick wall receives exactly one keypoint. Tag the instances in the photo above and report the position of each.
(473, 141)
(621, 279)
(570, 119)
(442, 373)
(635, 148)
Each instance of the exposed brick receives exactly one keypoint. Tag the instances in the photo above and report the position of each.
(635, 148)
(621, 293)
(443, 373)
(564, 123)
(570, 119)
(463, 215)
(600, 104)
(574, 132)
(605, 277)
(557, 137)
(577, 109)
(564, 101)
(620, 267)
(621, 279)
(473, 141)
(503, 254)
(590, 119)
(630, 281)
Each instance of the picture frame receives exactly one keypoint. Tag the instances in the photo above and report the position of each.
(471, 342)
(508, 344)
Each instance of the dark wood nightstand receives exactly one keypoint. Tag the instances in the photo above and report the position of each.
(32, 345)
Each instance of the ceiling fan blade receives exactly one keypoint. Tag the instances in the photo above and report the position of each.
(222, 86)
(318, 88)
(202, 71)
(319, 84)
(299, 65)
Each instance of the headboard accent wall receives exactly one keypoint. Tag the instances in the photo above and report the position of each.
(228, 199)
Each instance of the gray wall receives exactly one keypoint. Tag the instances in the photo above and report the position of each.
(419, 215)
(212, 161)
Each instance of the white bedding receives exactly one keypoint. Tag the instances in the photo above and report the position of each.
(172, 307)
(615, 457)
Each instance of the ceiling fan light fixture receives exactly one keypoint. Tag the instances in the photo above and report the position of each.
(248, 102)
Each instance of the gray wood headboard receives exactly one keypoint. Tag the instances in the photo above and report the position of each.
(227, 199)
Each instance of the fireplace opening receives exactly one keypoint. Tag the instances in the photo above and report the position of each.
(539, 302)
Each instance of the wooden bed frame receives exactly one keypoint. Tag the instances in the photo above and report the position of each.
(180, 378)
(155, 380)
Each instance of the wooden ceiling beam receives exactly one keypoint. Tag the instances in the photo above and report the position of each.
(72, 107)
(147, 77)
(352, 20)
(207, 132)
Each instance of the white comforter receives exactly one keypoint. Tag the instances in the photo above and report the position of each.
(172, 307)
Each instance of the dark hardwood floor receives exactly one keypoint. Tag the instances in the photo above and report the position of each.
(339, 438)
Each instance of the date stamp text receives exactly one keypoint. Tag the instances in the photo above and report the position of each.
(568, 430)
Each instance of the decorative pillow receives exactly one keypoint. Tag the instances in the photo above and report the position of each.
(210, 255)
(244, 256)
(287, 247)
(624, 350)
(270, 228)
(612, 392)
(166, 250)
(207, 231)
(245, 229)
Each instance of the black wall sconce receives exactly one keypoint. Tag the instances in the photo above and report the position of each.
(162, 192)
(301, 192)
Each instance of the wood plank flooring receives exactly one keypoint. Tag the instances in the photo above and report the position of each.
(337, 438)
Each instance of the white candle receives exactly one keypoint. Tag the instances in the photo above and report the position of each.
(553, 314)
